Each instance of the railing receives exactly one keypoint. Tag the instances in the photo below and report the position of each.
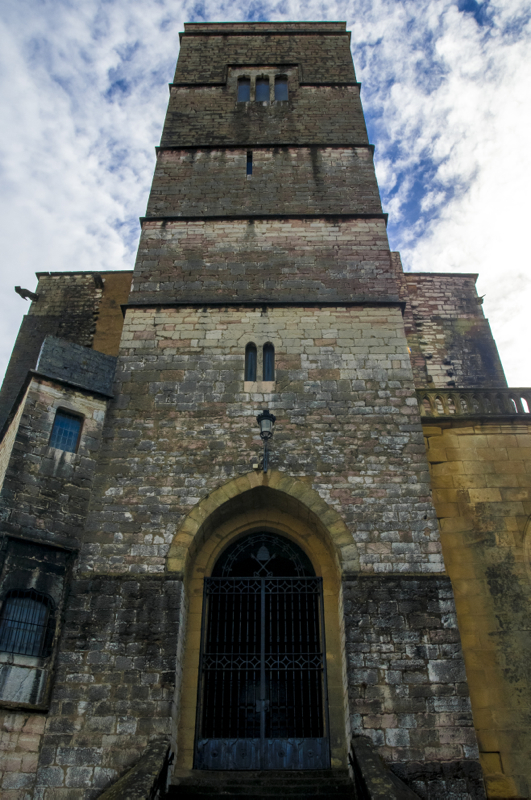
(373, 780)
(475, 403)
(145, 780)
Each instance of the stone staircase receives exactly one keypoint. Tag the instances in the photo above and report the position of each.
(325, 784)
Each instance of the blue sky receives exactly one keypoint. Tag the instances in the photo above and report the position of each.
(447, 97)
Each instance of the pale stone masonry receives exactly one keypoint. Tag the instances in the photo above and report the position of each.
(336, 369)
(121, 530)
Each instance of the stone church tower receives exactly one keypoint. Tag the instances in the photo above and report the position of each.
(161, 584)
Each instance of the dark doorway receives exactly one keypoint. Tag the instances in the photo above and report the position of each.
(262, 690)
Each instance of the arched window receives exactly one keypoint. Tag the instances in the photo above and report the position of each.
(250, 362)
(66, 431)
(27, 623)
(262, 90)
(244, 90)
(281, 88)
(269, 362)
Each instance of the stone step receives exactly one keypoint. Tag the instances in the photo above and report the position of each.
(268, 788)
(290, 784)
(185, 794)
(197, 776)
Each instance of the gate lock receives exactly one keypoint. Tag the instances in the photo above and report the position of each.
(262, 705)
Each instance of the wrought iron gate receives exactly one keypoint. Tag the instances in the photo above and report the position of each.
(262, 697)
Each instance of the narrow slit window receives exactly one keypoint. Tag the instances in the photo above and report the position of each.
(244, 90)
(281, 88)
(262, 90)
(250, 362)
(66, 431)
(27, 623)
(249, 163)
(269, 362)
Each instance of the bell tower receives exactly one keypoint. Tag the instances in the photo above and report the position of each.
(264, 279)
(264, 190)
(249, 616)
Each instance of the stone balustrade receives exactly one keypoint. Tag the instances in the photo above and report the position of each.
(475, 402)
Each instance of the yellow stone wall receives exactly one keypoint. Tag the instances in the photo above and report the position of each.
(481, 479)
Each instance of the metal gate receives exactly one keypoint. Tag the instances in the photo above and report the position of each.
(262, 696)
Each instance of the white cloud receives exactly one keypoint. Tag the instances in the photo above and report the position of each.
(448, 100)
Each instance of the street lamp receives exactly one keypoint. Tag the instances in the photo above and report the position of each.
(266, 420)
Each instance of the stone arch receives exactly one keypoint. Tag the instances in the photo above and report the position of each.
(271, 490)
(291, 508)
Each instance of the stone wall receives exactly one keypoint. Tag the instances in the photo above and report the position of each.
(8, 438)
(182, 425)
(481, 478)
(77, 365)
(114, 683)
(282, 260)
(46, 491)
(68, 308)
(74, 306)
(322, 50)
(323, 107)
(116, 288)
(454, 338)
(314, 181)
(407, 683)
(210, 115)
(20, 740)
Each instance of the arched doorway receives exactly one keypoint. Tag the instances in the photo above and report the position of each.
(262, 697)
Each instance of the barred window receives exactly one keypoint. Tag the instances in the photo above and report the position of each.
(66, 431)
(250, 362)
(269, 362)
(27, 623)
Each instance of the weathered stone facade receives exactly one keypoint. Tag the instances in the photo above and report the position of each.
(347, 420)
(166, 473)
(481, 478)
(79, 307)
(315, 180)
(260, 260)
(448, 328)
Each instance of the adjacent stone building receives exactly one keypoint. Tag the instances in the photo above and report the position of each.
(160, 582)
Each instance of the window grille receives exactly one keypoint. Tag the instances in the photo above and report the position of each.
(281, 88)
(66, 431)
(27, 623)
(269, 362)
(250, 362)
(244, 90)
(262, 702)
(262, 90)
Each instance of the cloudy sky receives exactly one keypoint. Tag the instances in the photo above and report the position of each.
(447, 97)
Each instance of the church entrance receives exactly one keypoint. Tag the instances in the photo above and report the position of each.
(262, 702)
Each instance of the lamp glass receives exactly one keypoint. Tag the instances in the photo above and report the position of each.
(266, 425)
